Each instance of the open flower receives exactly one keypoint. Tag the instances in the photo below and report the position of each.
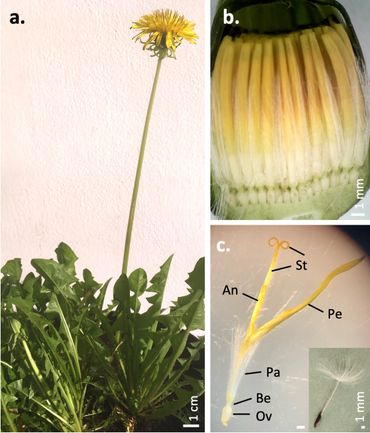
(163, 31)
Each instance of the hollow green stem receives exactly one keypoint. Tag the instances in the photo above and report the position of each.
(138, 170)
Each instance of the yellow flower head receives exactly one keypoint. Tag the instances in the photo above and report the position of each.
(163, 31)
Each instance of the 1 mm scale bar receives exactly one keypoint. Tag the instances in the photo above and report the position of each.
(190, 425)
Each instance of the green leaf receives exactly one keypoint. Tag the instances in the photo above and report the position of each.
(190, 308)
(181, 399)
(24, 304)
(158, 285)
(53, 272)
(63, 346)
(13, 269)
(186, 315)
(100, 298)
(137, 281)
(28, 286)
(8, 419)
(196, 277)
(66, 257)
(121, 293)
(56, 415)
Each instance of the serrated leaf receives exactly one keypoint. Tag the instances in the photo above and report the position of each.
(190, 308)
(89, 279)
(53, 272)
(13, 270)
(118, 350)
(196, 277)
(121, 293)
(138, 282)
(158, 284)
(24, 304)
(101, 296)
(28, 286)
(66, 257)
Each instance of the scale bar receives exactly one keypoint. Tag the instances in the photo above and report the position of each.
(300, 427)
(358, 214)
(190, 425)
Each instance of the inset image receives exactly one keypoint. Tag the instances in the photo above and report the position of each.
(276, 293)
(339, 382)
(290, 113)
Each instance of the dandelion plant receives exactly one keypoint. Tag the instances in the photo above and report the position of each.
(70, 363)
